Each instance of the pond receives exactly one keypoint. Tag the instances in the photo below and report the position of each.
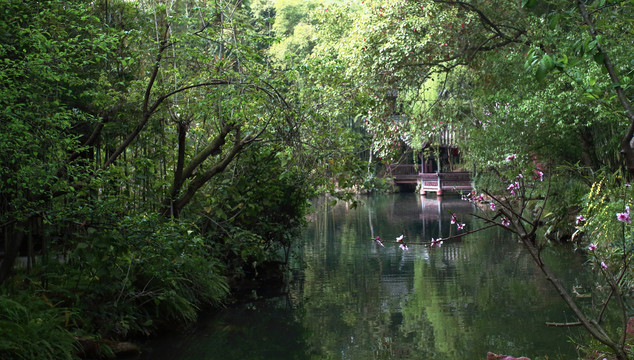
(350, 298)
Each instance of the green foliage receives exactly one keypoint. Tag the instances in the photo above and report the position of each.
(33, 328)
(255, 215)
(294, 28)
(608, 197)
(42, 96)
(147, 273)
(565, 202)
(113, 112)
(480, 56)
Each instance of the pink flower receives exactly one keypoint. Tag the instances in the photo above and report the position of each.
(400, 238)
(506, 222)
(592, 247)
(513, 192)
(511, 157)
(453, 218)
(520, 176)
(580, 218)
(403, 247)
(624, 217)
(603, 265)
(461, 226)
(492, 206)
(378, 241)
(539, 175)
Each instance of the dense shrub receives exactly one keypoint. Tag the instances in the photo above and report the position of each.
(147, 273)
(33, 328)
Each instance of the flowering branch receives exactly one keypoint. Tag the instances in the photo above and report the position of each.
(514, 218)
(453, 237)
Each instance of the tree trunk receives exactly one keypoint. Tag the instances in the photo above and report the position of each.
(593, 327)
(627, 142)
(180, 163)
(201, 179)
(588, 155)
(14, 240)
(173, 204)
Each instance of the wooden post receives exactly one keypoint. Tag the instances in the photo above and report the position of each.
(439, 190)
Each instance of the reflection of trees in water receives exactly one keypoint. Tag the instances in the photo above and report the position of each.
(360, 301)
(487, 304)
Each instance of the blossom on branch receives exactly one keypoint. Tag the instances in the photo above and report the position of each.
(624, 216)
(512, 187)
(539, 175)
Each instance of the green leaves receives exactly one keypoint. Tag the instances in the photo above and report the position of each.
(554, 20)
(529, 4)
(545, 66)
(31, 327)
(599, 58)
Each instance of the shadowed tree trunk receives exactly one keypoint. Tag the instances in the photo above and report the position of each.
(14, 241)
(627, 142)
(589, 154)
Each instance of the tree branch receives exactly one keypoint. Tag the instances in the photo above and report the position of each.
(201, 179)
(552, 324)
(592, 326)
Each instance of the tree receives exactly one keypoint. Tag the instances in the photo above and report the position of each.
(47, 125)
(146, 78)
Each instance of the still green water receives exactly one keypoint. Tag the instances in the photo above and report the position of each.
(350, 298)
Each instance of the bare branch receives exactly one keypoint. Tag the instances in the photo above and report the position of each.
(553, 324)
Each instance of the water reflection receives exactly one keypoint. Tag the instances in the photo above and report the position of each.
(353, 299)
